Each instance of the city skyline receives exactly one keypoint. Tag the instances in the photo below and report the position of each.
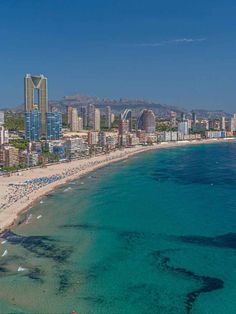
(175, 53)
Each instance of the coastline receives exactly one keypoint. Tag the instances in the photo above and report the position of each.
(9, 214)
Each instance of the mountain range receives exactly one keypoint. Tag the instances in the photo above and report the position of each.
(118, 105)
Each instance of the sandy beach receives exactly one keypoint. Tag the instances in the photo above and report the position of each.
(19, 191)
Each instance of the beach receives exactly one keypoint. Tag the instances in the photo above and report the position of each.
(21, 190)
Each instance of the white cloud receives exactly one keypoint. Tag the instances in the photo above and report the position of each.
(172, 41)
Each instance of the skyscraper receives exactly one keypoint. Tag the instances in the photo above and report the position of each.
(146, 121)
(97, 120)
(1, 117)
(4, 136)
(84, 116)
(233, 123)
(54, 125)
(91, 116)
(36, 97)
(33, 125)
(108, 117)
(222, 124)
(123, 127)
(173, 116)
(68, 112)
(74, 123)
(194, 119)
(183, 127)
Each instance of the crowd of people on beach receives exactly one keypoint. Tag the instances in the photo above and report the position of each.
(23, 190)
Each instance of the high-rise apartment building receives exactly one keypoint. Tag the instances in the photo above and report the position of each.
(33, 125)
(76, 123)
(194, 119)
(108, 117)
(123, 127)
(53, 125)
(68, 113)
(146, 121)
(233, 123)
(222, 124)
(1, 118)
(36, 96)
(84, 116)
(173, 122)
(183, 127)
(90, 116)
(97, 120)
(4, 136)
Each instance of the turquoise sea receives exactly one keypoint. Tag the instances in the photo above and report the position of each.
(152, 234)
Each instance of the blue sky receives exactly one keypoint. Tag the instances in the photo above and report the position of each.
(176, 52)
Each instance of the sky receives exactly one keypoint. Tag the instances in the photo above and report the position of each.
(173, 52)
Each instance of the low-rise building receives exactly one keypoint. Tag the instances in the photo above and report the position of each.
(75, 148)
(4, 136)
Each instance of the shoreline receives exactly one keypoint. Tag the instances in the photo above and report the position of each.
(9, 214)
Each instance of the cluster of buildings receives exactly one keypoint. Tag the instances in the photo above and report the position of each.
(88, 117)
(207, 128)
(46, 141)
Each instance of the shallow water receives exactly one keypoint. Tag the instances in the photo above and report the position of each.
(154, 234)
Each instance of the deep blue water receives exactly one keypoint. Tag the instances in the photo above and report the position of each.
(154, 234)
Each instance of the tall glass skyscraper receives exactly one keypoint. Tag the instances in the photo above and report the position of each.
(33, 125)
(36, 96)
(53, 125)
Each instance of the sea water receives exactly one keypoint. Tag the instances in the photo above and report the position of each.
(152, 234)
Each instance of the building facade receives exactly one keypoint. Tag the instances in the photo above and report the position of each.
(90, 116)
(36, 96)
(233, 123)
(54, 125)
(1, 118)
(33, 125)
(4, 136)
(146, 121)
(183, 127)
(97, 120)
(108, 117)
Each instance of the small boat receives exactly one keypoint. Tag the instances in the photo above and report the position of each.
(21, 268)
(5, 253)
(39, 216)
(4, 241)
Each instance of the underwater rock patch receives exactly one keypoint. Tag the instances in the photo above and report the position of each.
(227, 240)
(208, 284)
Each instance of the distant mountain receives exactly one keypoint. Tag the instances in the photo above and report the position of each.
(118, 105)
